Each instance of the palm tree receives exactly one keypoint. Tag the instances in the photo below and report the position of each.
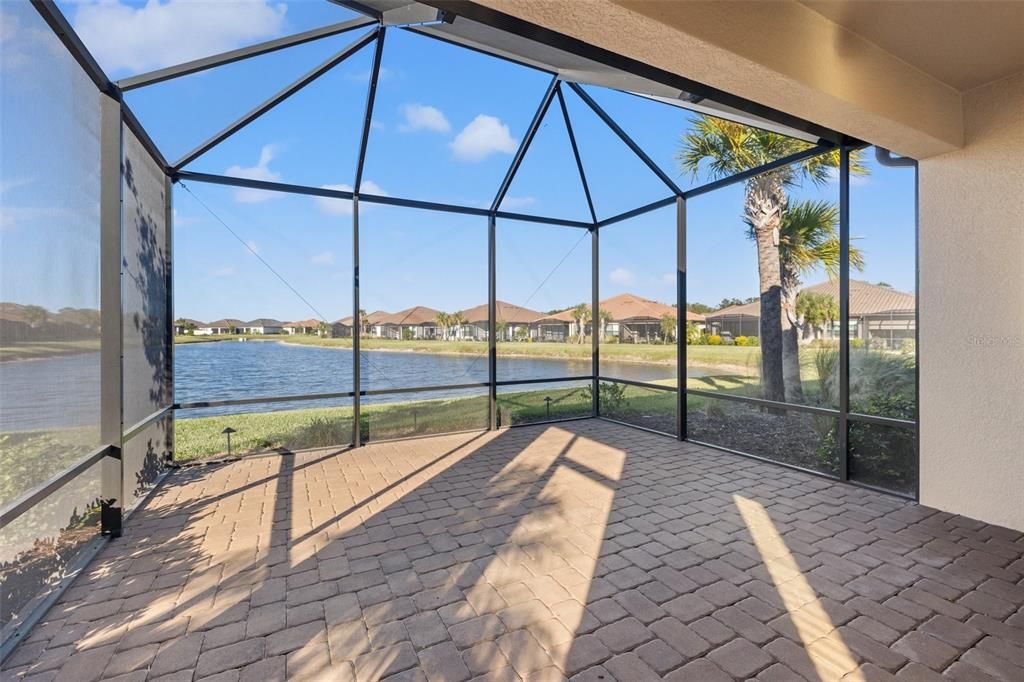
(808, 239)
(456, 320)
(362, 328)
(668, 327)
(604, 318)
(816, 312)
(443, 320)
(581, 315)
(725, 148)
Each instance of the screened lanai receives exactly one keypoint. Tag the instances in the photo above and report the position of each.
(362, 224)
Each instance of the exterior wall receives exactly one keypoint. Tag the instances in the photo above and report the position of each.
(781, 54)
(972, 313)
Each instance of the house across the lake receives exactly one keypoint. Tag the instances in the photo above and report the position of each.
(309, 326)
(879, 315)
(513, 322)
(228, 325)
(263, 325)
(418, 322)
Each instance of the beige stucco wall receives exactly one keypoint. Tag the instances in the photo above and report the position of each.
(778, 53)
(972, 313)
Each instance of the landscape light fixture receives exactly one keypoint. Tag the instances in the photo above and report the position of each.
(227, 432)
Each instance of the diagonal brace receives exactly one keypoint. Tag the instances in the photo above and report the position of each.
(274, 100)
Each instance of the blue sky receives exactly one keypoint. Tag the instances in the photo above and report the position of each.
(446, 124)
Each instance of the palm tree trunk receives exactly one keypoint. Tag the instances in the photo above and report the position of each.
(765, 200)
(790, 346)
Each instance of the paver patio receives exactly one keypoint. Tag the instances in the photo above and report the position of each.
(585, 550)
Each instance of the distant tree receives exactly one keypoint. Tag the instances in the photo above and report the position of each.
(457, 321)
(363, 324)
(323, 329)
(443, 320)
(187, 327)
(668, 327)
(581, 315)
(35, 315)
(499, 327)
(817, 311)
(692, 333)
(884, 284)
(699, 308)
(604, 318)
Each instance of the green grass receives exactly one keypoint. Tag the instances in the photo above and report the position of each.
(733, 356)
(33, 350)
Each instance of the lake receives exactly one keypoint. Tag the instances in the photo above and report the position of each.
(35, 393)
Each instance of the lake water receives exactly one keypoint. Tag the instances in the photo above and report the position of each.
(35, 394)
(231, 369)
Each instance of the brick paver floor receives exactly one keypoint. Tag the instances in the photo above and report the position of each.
(585, 550)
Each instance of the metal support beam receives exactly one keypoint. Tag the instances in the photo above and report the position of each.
(595, 320)
(371, 97)
(111, 315)
(52, 15)
(524, 146)
(640, 210)
(357, 329)
(169, 293)
(492, 322)
(274, 100)
(634, 147)
(743, 176)
(844, 312)
(232, 56)
(681, 430)
(576, 152)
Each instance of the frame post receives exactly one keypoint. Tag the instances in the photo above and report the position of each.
(111, 317)
(681, 430)
(169, 223)
(357, 329)
(844, 312)
(492, 323)
(595, 321)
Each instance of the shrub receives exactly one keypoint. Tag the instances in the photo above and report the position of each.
(856, 343)
(747, 341)
(714, 340)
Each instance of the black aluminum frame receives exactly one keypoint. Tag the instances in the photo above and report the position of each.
(117, 435)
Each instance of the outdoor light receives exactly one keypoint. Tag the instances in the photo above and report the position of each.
(547, 406)
(227, 432)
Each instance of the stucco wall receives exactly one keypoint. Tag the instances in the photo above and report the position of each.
(972, 313)
(780, 54)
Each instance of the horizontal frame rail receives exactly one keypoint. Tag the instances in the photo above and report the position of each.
(743, 176)
(232, 56)
(812, 409)
(31, 498)
(214, 179)
(546, 380)
(640, 384)
(141, 425)
(761, 402)
(639, 211)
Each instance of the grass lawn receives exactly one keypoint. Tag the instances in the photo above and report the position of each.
(332, 426)
(735, 356)
(32, 350)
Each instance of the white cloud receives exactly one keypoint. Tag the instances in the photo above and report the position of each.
(224, 272)
(668, 278)
(514, 203)
(159, 34)
(622, 276)
(179, 220)
(484, 136)
(325, 258)
(253, 247)
(332, 206)
(423, 117)
(261, 171)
